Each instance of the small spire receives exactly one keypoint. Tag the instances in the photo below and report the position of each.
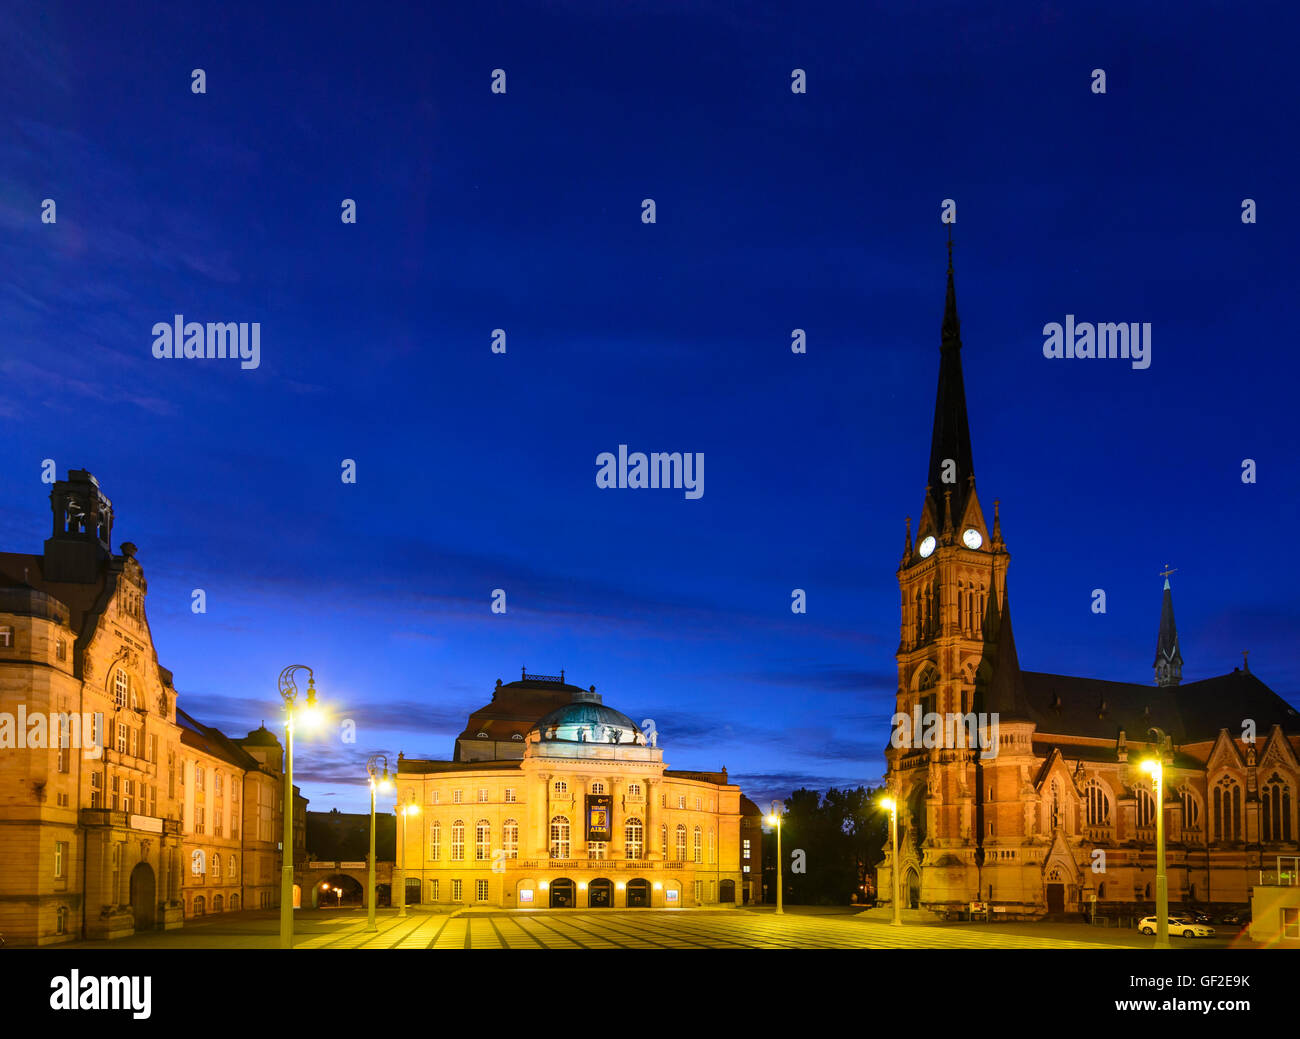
(1169, 659)
(1245, 660)
(947, 512)
(907, 547)
(997, 521)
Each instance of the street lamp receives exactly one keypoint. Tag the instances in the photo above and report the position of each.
(400, 882)
(310, 715)
(891, 806)
(1153, 767)
(377, 782)
(775, 820)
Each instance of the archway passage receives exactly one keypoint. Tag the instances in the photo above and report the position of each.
(600, 894)
(727, 891)
(144, 902)
(338, 890)
(638, 893)
(912, 885)
(562, 893)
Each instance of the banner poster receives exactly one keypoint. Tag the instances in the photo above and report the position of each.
(599, 817)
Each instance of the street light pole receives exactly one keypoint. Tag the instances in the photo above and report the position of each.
(1156, 769)
(289, 693)
(403, 811)
(372, 768)
(892, 806)
(775, 820)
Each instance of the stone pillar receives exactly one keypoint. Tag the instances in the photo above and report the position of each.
(654, 849)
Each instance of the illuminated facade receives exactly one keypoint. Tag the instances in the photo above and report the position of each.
(571, 807)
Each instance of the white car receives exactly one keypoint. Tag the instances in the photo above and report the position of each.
(1177, 925)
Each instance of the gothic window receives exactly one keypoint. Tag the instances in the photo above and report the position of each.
(929, 678)
(1146, 807)
(1227, 810)
(1098, 804)
(510, 838)
(1275, 809)
(1191, 809)
(559, 837)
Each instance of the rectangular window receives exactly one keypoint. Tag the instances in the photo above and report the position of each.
(437, 796)
(153, 802)
(433, 891)
(113, 789)
(216, 821)
(60, 849)
(681, 801)
(134, 745)
(510, 795)
(456, 797)
(455, 890)
(127, 787)
(595, 849)
(746, 869)
(697, 804)
(1291, 922)
(121, 738)
(6, 636)
(699, 891)
(96, 789)
(198, 778)
(482, 796)
(61, 649)
(746, 847)
(480, 890)
(198, 819)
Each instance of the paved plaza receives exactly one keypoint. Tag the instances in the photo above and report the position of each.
(758, 928)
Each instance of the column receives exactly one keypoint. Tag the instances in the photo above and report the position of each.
(654, 851)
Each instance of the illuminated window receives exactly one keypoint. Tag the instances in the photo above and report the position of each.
(435, 842)
(698, 845)
(1275, 809)
(598, 787)
(482, 795)
(510, 838)
(634, 790)
(1098, 804)
(458, 841)
(681, 801)
(61, 649)
(1191, 809)
(433, 891)
(595, 849)
(481, 890)
(6, 636)
(120, 687)
(746, 847)
(561, 788)
(1227, 810)
(456, 797)
(559, 837)
(59, 848)
(1146, 807)
(510, 795)
(633, 836)
(455, 890)
(681, 843)
(482, 840)
(216, 866)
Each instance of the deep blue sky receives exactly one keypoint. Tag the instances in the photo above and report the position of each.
(775, 211)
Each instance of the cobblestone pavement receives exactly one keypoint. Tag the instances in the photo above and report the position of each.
(615, 929)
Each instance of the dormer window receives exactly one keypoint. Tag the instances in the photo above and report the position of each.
(482, 735)
(517, 736)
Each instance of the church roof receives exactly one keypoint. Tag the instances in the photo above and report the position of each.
(1192, 712)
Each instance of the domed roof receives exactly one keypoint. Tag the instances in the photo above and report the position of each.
(586, 720)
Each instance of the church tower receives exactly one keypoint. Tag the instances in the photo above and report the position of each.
(952, 581)
(1169, 661)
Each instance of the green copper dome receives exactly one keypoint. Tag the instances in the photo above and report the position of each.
(586, 720)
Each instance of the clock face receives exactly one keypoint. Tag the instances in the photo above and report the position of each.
(926, 547)
(971, 538)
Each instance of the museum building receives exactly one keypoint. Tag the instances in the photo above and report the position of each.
(555, 800)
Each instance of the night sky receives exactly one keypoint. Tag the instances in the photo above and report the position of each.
(775, 211)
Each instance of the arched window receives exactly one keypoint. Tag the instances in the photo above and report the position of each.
(1146, 807)
(510, 838)
(482, 840)
(561, 788)
(435, 841)
(1275, 809)
(698, 845)
(200, 905)
(458, 840)
(634, 790)
(712, 849)
(1098, 804)
(663, 838)
(120, 688)
(559, 837)
(598, 787)
(1191, 809)
(632, 837)
(216, 867)
(234, 903)
(1227, 810)
(681, 842)
(232, 871)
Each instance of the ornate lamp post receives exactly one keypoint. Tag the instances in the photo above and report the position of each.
(377, 782)
(309, 712)
(891, 806)
(778, 810)
(403, 811)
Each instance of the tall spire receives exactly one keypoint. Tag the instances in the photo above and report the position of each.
(1169, 661)
(950, 439)
(1004, 693)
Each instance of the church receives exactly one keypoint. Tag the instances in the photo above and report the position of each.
(1056, 817)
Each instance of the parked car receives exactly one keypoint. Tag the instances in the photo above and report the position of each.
(1179, 925)
(1237, 916)
(1199, 916)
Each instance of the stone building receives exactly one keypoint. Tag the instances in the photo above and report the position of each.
(554, 800)
(1057, 816)
(92, 837)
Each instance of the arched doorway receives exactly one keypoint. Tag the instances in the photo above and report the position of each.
(638, 893)
(600, 894)
(912, 885)
(218, 903)
(727, 891)
(562, 893)
(144, 903)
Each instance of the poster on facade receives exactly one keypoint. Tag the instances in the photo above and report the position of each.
(599, 811)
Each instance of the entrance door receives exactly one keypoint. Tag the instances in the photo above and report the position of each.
(600, 894)
(913, 887)
(638, 893)
(562, 893)
(1056, 898)
(144, 904)
(727, 891)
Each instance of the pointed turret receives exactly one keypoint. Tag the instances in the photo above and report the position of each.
(951, 465)
(1004, 694)
(1169, 661)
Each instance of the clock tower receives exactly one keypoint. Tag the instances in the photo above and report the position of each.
(952, 580)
